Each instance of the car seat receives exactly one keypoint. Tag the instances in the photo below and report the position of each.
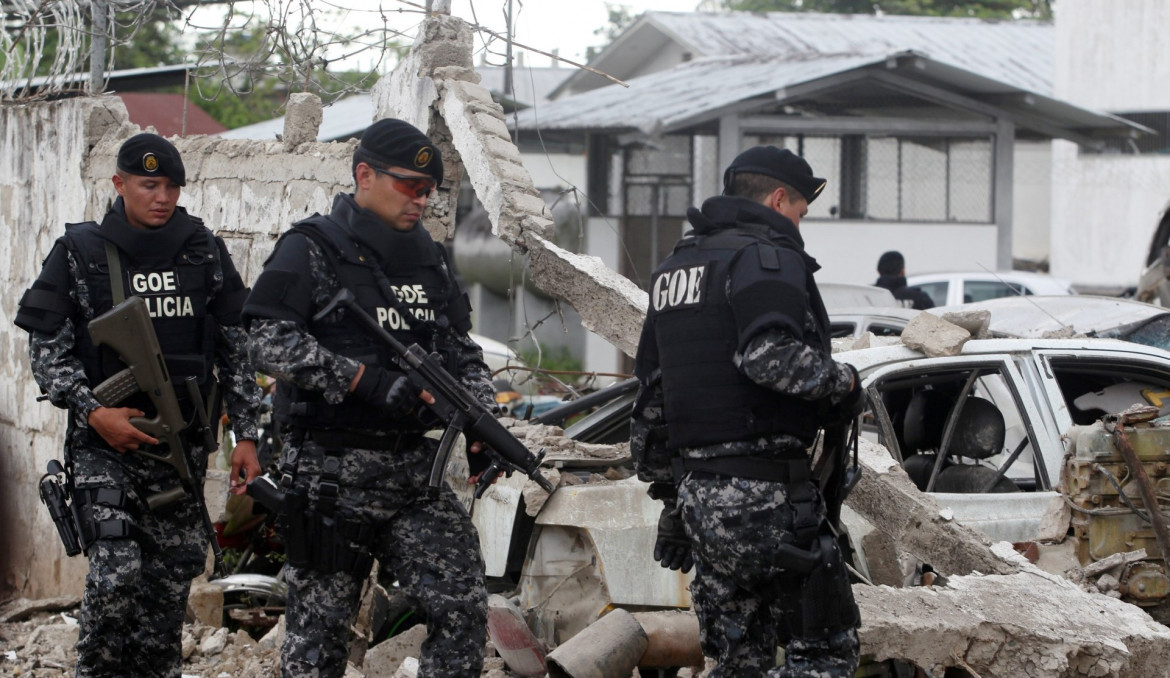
(922, 429)
(979, 434)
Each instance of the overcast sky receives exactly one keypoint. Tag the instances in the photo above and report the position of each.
(564, 26)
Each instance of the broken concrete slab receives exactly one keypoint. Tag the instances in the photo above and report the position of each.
(934, 336)
(302, 119)
(385, 658)
(1030, 623)
(975, 322)
(913, 521)
(23, 608)
(205, 604)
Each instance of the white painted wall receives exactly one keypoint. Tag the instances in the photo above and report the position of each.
(602, 241)
(1113, 55)
(1032, 201)
(556, 170)
(848, 250)
(1104, 212)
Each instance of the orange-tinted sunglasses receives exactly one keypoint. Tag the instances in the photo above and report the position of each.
(417, 186)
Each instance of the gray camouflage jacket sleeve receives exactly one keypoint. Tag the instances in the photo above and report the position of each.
(775, 359)
(241, 392)
(59, 374)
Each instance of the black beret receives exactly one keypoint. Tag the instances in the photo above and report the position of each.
(395, 143)
(149, 155)
(778, 163)
(891, 263)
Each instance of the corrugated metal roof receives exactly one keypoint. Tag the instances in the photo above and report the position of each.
(1016, 52)
(699, 90)
(657, 102)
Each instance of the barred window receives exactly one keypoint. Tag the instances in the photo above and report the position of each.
(897, 178)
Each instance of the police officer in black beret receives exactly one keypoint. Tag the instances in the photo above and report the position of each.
(736, 379)
(141, 561)
(355, 462)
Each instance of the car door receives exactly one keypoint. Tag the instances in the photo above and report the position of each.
(1002, 490)
(1084, 384)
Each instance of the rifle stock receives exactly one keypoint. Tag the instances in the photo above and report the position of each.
(457, 408)
(128, 331)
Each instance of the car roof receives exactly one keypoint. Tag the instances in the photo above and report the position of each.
(1037, 280)
(1034, 316)
(848, 295)
(867, 358)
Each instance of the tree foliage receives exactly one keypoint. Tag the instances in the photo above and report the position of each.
(984, 9)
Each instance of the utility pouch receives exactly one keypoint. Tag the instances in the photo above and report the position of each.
(827, 596)
(52, 493)
(325, 543)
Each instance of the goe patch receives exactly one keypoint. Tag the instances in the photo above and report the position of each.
(160, 289)
(676, 288)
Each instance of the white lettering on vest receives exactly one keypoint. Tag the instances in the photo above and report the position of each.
(169, 307)
(153, 281)
(678, 288)
(410, 294)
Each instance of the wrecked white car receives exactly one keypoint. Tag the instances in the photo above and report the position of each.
(995, 462)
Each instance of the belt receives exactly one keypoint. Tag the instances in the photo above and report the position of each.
(752, 468)
(334, 438)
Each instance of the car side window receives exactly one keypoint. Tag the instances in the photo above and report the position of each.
(884, 330)
(841, 330)
(1095, 388)
(969, 415)
(937, 291)
(982, 290)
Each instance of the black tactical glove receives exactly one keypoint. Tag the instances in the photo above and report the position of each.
(477, 462)
(671, 548)
(851, 406)
(389, 391)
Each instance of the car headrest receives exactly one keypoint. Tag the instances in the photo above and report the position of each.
(922, 427)
(979, 432)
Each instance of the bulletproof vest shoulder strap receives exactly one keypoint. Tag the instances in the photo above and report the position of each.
(114, 261)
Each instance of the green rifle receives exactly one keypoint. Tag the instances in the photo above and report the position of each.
(127, 330)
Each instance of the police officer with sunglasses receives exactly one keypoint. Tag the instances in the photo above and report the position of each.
(354, 467)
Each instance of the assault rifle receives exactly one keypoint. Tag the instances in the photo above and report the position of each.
(128, 331)
(458, 409)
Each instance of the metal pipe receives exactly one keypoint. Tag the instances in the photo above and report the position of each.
(673, 639)
(610, 646)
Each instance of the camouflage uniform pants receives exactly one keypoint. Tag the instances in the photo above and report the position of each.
(747, 606)
(429, 543)
(136, 594)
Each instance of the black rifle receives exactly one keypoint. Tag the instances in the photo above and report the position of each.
(127, 329)
(836, 479)
(458, 409)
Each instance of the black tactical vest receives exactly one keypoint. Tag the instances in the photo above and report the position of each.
(407, 290)
(707, 399)
(176, 289)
